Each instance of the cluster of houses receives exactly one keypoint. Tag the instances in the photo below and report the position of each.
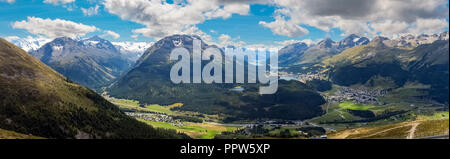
(310, 76)
(357, 96)
(301, 77)
(157, 117)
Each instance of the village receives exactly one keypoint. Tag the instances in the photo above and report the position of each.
(357, 96)
(156, 117)
(301, 77)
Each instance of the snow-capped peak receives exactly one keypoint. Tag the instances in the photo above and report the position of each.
(29, 43)
(127, 47)
(133, 50)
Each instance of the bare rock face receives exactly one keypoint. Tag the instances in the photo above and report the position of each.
(92, 62)
(83, 135)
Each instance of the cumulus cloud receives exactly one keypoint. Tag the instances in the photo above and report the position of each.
(428, 26)
(8, 1)
(57, 2)
(112, 34)
(181, 17)
(226, 40)
(90, 11)
(364, 17)
(53, 28)
(263, 46)
(286, 28)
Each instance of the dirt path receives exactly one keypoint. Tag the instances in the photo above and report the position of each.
(386, 130)
(412, 131)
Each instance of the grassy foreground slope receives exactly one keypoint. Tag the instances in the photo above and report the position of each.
(34, 99)
(435, 125)
(6, 134)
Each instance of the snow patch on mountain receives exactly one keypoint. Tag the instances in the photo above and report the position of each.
(90, 42)
(414, 41)
(58, 48)
(29, 43)
(132, 50)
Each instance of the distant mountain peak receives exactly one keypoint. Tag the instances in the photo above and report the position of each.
(92, 62)
(299, 45)
(29, 43)
(352, 40)
(167, 44)
(378, 40)
(62, 40)
(444, 36)
(352, 36)
(326, 43)
(100, 43)
(412, 41)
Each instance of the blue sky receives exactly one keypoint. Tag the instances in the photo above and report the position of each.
(287, 20)
(22, 9)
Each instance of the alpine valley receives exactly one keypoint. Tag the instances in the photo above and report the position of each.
(354, 88)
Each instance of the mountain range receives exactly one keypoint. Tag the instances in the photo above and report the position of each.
(299, 57)
(41, 95)
(149, 82)
(392, 63)
(36, 100)
(301, 53)
(29, 43)
(92, 62)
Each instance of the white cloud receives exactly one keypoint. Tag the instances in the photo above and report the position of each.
(112, 34)
(262, 46)
(57, 2)
(53, 28)
(285, 28)
(90, 11)
(364, 17)
(429, 26)
(8, 1)
(389, 27)
(226, 40)
(308, 42)
(163, 19)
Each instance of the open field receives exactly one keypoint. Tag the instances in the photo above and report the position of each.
(335, 115)
(352, 106)
(194, 130)
(278, 133)
(132, 105)
(6, 134)
(353, 114)
(435, 116)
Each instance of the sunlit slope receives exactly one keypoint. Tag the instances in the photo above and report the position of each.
(405, 130)
(36, 100)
